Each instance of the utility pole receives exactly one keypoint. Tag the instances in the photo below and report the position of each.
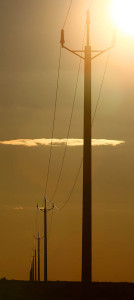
(30, 275)
(45, 242)
(38, 250)
(45, 210)
(87, 153)
(33, 269)
(35, 263)
(38, 257)
(87, 161)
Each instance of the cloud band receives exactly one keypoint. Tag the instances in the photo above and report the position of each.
(60, 142)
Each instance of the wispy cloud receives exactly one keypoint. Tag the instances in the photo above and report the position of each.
(59, 142)
(18, 208)
(104, 142)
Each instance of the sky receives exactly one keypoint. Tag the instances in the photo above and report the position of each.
(29, 53)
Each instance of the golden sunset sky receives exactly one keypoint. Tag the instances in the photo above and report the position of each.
(29, 52)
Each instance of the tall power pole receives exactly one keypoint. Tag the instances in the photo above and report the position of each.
(35, 263)
(33, 268)
(45, 210)
(30, 274)
(38, 250)
(45, 242)
(87, 188)
(38, 257)
(87, 158)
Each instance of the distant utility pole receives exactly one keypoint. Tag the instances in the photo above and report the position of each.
(45, 210)
(38, 250)
(32, 269)
(38, 257)
(87, 160)
(30, 275)
(35, 263)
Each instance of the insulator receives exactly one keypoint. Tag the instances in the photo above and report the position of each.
(62, 41)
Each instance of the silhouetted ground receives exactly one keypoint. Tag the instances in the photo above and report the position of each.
(17, 290)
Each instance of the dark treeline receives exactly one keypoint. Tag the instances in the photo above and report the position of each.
(18, 290)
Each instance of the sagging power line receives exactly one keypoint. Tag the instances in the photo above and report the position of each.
(87, 159)
(86, 260)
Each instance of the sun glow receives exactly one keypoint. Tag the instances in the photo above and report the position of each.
(123, 15)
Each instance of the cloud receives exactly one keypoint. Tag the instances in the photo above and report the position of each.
(104, 142)
(18, 208)
(59, 142)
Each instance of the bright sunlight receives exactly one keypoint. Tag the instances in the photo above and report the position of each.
(123, 15)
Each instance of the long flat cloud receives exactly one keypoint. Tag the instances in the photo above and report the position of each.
(59, 142)
(18, 208)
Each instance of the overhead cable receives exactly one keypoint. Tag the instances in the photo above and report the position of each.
(67, 14)
(55, 106)
(72, 189)
(53, 124)
(70, 122)
(103, 78)
(78, 172)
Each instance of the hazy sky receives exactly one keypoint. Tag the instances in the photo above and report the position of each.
(29, 51)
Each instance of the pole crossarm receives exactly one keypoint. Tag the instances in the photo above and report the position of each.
(78, 51)
(47, 210)
(39, 238)
(101, 52)
(74, 52)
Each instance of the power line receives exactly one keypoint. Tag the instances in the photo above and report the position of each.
(70, 194)
(55, 105)
(53, 124)
(77, 175)
(50, 226)
(67, 14)
(64, 154)
(103, 78)
(71, 116)
(65, 149)
(78, 172)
